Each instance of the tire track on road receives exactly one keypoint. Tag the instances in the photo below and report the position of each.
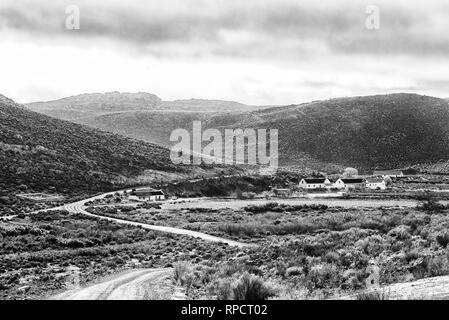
(133, 285)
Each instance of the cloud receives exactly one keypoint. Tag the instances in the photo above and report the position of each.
(256, 51)
(273, 25)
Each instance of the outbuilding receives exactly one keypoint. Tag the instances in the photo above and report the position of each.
(314, 183)
(149, 194)
(376, 183)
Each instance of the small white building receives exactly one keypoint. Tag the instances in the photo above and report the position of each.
(314, 183)
(149, 194)
(349, 183)
(376, 183)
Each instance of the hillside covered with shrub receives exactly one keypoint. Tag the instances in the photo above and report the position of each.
(40, 153)
(385, 131)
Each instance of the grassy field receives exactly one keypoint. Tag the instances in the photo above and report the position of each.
(48, 252)
(303, 251)
(311, 251)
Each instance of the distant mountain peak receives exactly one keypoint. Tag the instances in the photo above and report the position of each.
(87, 105)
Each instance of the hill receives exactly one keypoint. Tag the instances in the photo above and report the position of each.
(204, 105)
(93, 104)
(151, 126)
(41, 153)
(384, 131)
(138, 115)
(89, 105)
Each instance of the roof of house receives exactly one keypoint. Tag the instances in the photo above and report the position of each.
(149, 192)
(352, 180)
(315, 180)
(375, 180)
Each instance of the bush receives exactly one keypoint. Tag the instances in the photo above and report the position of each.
(270, 206)
(323, 276)
(443, 239)
(373, 295)
(431, 206)
(276, 207)
(293, 271)
(400, 232)
(250, 287)
(183, 275)
(438, 266)
(223, 289)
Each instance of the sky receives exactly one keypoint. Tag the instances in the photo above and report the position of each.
(260, 52)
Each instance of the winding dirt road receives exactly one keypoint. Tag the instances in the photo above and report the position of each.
(80, 206)
(148, 284)
(141, 284)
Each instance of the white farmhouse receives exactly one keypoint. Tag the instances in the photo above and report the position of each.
(349, 184)
(376, 183)
(314, 183)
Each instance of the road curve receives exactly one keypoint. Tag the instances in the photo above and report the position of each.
(80, 206)
(133, 285)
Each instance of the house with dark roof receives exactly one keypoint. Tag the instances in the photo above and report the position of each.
(149, 194)
(350, 183)
(314, 183)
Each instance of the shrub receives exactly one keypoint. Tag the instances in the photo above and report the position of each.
(431, 206)
(223, 289)
(281, 268)
(373, 295)
(250, 287)
(293, 271)
(411, 255)
(181, 273)
(323, 276)
(438, 266)
(331, 257)
(400, 232)
(443, 239)
(270, 206)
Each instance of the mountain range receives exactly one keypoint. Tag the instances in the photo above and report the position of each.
(380, 131)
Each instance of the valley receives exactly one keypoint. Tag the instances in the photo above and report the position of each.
(396, 130)
(72, 228)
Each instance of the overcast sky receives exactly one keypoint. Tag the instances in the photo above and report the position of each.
(252, 51)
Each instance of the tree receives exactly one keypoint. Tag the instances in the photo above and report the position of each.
(350, 172)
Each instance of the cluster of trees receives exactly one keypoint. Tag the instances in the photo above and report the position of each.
(231, 186)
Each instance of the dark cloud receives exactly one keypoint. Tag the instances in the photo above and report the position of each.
(273, 28)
